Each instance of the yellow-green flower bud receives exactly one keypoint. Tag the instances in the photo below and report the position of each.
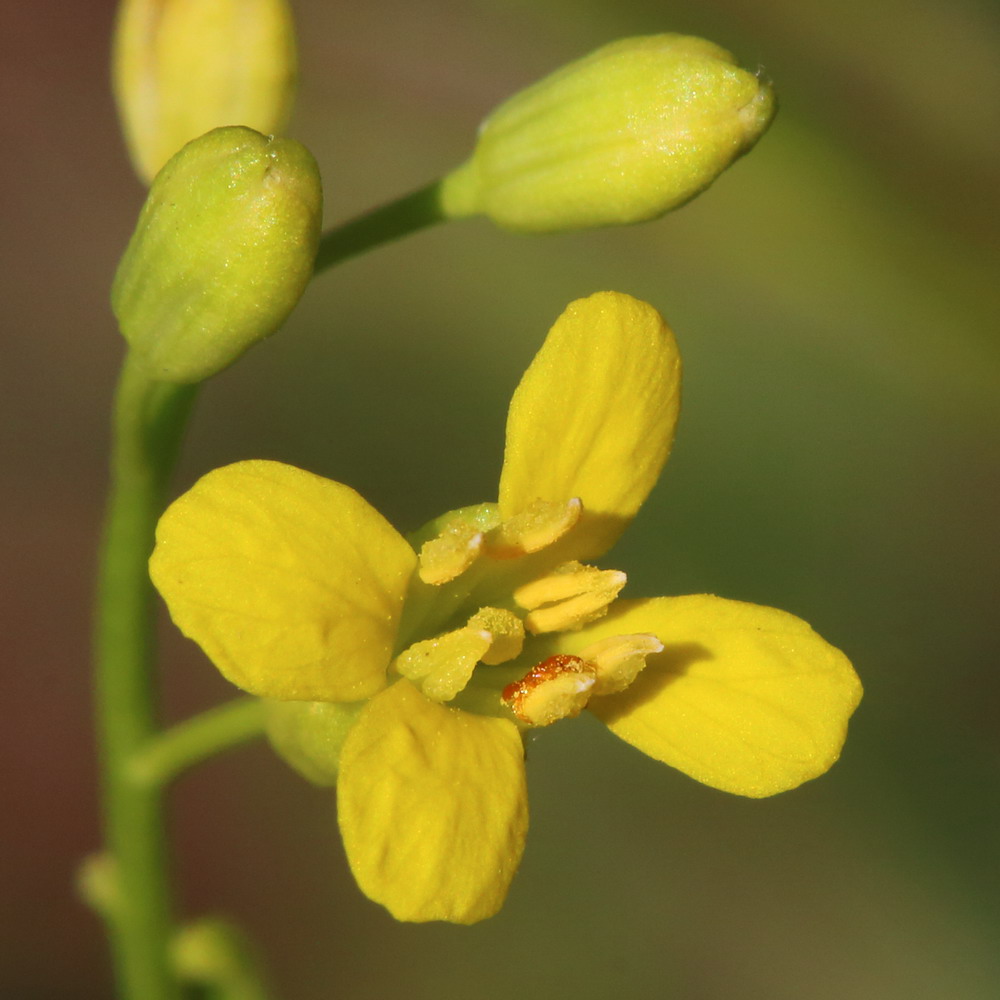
(222, 252)
(623, 135)
(183, 67)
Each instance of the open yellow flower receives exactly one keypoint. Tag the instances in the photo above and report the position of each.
(416, 665)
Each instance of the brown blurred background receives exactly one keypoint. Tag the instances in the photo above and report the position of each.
(835, 297)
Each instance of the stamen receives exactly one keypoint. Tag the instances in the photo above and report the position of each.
(442, 667)
(556, 688)
(540, 524)
(619, 659)
(568, 598)
(507, 632)
(446, 557)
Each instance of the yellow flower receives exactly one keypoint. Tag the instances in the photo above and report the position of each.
(487, 622)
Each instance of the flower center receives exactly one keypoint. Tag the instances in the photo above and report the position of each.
(503, 580)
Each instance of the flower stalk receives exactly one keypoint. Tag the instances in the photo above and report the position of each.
(399, 218)
(167, 755)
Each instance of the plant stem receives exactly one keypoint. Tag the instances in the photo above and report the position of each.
(148, 424)
(381, 225)
(137, 761)
(174, 750)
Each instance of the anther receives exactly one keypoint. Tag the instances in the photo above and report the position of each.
(556, 688)
(540, 524)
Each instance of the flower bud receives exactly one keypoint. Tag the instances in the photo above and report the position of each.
(623, 135)
(183, 67)
(222, 252)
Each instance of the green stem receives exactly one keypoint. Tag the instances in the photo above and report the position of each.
(149, 420)
(381, 225)
(188, 743)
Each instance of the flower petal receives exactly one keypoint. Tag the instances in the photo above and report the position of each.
(594, 417)
(433, 807)
(291, 583)
(744, 698)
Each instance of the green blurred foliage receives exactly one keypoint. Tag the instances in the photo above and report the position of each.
(836, 302)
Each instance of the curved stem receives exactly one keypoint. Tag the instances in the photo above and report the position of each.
(381, 225)
(149, 420)
(174, 750)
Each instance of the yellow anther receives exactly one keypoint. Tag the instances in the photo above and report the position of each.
(618, 660)
(556, 688)
(450, 554)
(442, 667)
(568, 598)
(540, 524)
(507, 632)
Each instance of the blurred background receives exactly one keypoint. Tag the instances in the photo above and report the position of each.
(836, 301)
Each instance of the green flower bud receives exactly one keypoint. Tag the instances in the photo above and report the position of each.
(308, 735)
(183, 67)
(222, 252)
(623, 135)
